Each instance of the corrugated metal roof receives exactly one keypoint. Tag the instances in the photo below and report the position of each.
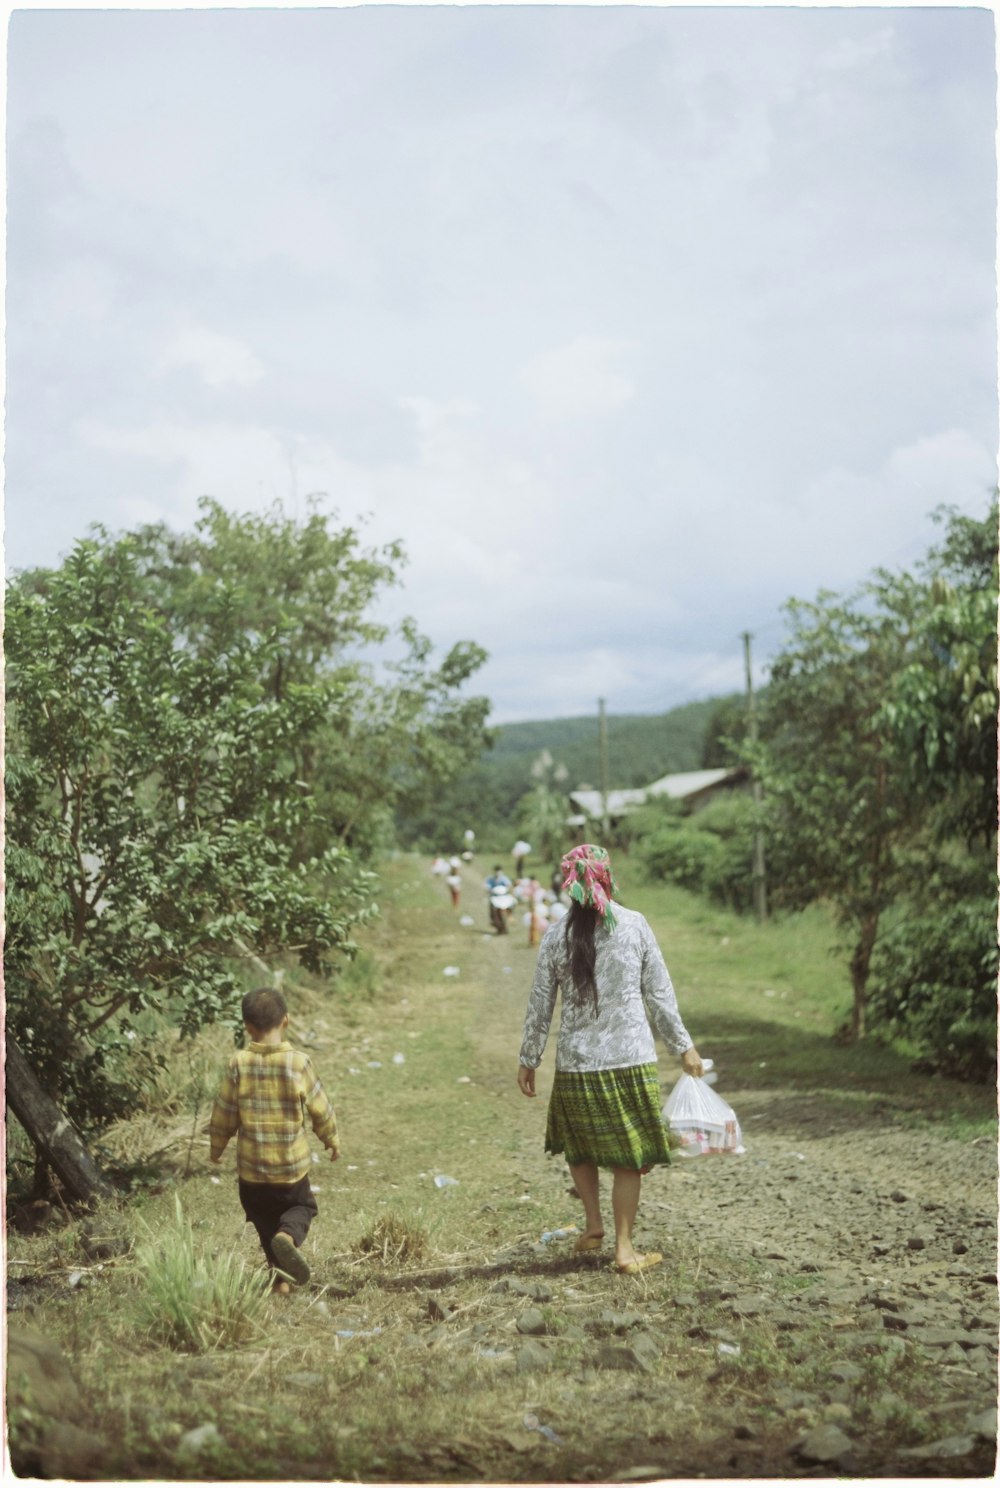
(619, 801)
(688, 783)
(678, 787)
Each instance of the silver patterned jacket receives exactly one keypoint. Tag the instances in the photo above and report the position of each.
(634, 991)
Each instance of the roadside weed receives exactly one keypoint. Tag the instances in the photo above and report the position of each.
(395, 1238)
(195, 1301)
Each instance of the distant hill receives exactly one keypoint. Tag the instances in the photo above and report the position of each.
(641, 748)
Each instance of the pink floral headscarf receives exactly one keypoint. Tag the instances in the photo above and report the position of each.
(588, 879)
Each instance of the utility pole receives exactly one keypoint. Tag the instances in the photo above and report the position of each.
(603, 730)
(759, 879)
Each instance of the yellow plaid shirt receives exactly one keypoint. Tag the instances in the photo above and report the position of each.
(266, 1094)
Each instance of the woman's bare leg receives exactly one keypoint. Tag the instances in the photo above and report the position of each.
(625, 1204)
(586, 1180)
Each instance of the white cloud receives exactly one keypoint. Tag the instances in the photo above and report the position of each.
(946, 467)
(82, 290)
(846, 522)
(851, 52)
(220, 360)
(579, 380)
(634, 604)
(241, 466)
(613, 427)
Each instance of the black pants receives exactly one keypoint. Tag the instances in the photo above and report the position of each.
(271, 1207)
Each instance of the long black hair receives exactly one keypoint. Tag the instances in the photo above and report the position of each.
(581, 924)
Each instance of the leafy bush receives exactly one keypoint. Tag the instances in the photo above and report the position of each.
(934, 982)
(709, 852)
(680, 853)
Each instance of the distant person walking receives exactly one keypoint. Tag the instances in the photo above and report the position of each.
(497, 882)
(499, 899)
(266, 1094)
(537, 920)
(454, 882)
(520, 851)
(604, 1111)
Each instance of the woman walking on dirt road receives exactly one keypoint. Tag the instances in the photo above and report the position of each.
(604, 1111)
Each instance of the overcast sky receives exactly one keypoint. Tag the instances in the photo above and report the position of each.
(629, 322)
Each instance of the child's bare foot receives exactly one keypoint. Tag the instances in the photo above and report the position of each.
(589, 1240)
(289, 1259)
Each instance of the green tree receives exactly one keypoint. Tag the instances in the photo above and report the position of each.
(724, 733)
(839, 815)
(542, 812)
(151, 804)
(401, 742)
(878, 746)
(393, 734)
(942, 706)
(196, 754)
(935, 972)
(309, 584)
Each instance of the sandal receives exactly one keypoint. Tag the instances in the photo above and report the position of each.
(588, 1242)
(289, 1259)
(641, 1263)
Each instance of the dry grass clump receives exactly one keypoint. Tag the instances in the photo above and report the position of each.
(395, 1238)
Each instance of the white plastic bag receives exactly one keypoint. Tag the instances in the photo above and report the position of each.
(699, 1121)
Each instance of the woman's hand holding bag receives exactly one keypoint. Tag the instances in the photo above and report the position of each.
(699, 1121)
(691, 1062)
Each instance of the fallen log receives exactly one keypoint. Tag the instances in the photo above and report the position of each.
(51, 1133)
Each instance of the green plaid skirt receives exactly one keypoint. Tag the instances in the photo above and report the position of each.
(608, 1117)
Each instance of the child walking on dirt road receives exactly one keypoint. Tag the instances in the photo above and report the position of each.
(267, 1091)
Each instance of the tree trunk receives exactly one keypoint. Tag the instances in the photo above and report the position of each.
(55, 1139)
(860, 966)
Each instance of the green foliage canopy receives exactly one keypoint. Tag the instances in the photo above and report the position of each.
(942, 705)
(708, 851)
(391, 738)
(194, 772)
(878, 744)
(151, 805)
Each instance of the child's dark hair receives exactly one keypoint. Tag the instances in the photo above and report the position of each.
(264, 1009)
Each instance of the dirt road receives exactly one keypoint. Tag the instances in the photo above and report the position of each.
(874, 1228)
(826, 1306)
(886, 1200)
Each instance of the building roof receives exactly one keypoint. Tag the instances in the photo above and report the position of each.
(679, 787)
(690, 782)
(591, 802)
